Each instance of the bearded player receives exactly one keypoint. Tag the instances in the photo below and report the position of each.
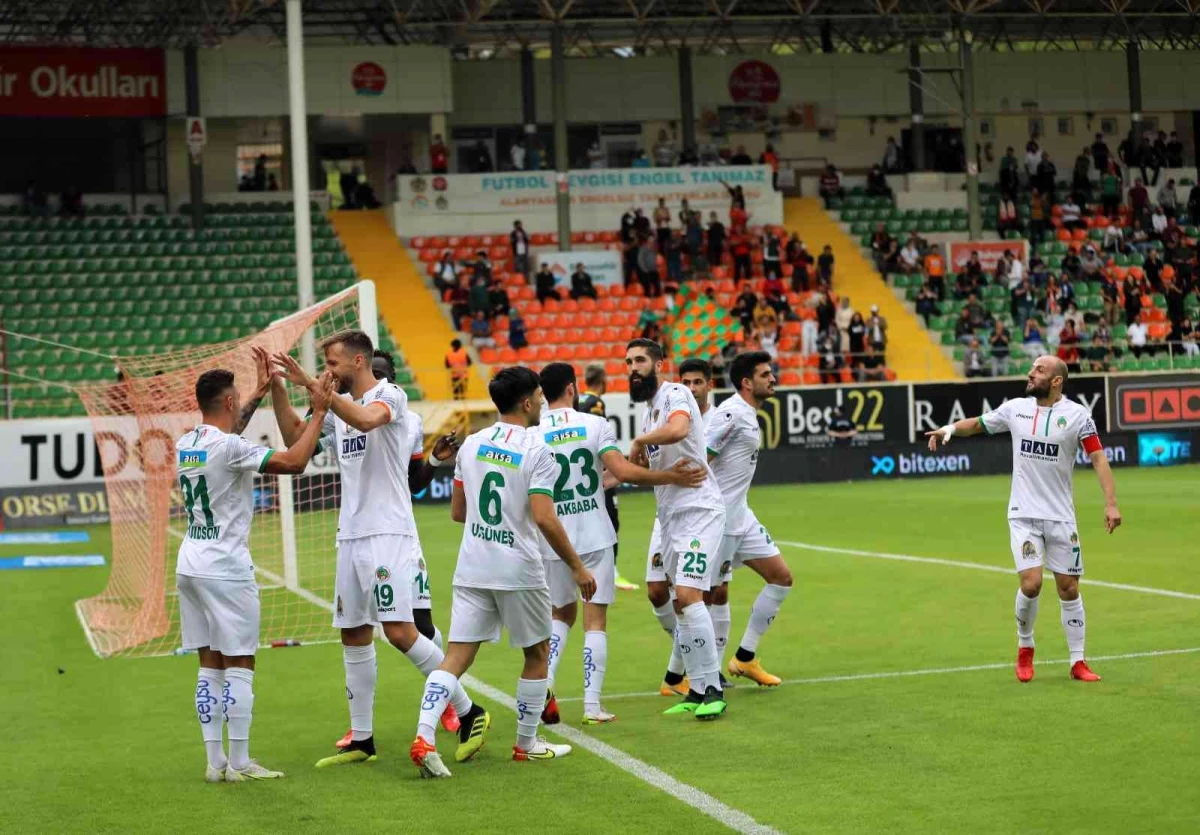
(1047, 429)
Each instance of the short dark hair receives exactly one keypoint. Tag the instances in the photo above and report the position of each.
(594, 373)
(649, 345)
(356, 342)
(743, 365)
(510, 386)
(692, 365)
(391, 363)
(555, 378)
(455, 344)
(211, 387)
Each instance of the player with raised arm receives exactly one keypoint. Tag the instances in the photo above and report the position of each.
(692, 521)
(504, 484)
(218, 596)
(419, 474)
(583, 445)
(1047, 430)
(733, 438)
(377, 549)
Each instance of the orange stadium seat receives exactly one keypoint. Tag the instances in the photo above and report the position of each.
(488, 356)
(527, 354)
(508, 356)
(547, 353)
(620, 385)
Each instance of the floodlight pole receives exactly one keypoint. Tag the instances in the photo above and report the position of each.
(687, 100)
(191, 88)
(974, 217)
(298, 115)
(562, 165)
(916, 106)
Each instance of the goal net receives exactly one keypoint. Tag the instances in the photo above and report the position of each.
(136, 423)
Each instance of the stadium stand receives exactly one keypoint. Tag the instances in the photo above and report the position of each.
(108, 284)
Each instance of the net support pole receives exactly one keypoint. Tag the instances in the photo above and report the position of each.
(368, 311)
(287, 529)
(298, 115)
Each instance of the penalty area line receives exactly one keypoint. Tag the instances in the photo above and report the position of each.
(928, 671)
(881, 555)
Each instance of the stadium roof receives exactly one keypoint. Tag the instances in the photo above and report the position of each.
(485, 28)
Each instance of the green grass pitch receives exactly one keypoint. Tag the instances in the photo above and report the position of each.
(97, 746)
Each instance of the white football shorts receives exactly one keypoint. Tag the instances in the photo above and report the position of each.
(602, 564)
(1055, 545)
(222, 615)
(691, 546)
(374, 580)
(655, 562)
(476, 615)
(738, 549)
(421, 597)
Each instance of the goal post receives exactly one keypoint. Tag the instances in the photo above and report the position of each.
(136, 423)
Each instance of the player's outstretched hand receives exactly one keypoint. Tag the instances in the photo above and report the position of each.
(586, 583)
(262, 365)
(290, 370)
(1112, 518)
(321, 395)
(686, 473)
(935, 435)
(446, 446)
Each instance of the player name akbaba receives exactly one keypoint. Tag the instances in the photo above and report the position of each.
(573, 508)
(206, 532)
(492, 534)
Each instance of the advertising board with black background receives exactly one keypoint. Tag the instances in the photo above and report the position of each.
(1156, 401)
(800, 417)
(936, 404)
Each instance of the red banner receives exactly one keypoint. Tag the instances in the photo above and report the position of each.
(990, 253)
(53, 81)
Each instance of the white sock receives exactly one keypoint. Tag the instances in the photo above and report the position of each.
(1027, 609)
(438, 688)
(437, 639)
(668, 621)
(1073, 626)
(595, 661)
(558, 645)
(721, 621)
(531, 700)
(766, 607)
(701, 661)
(360, 688)
(425, 655)
(210, 684)
(239, 709)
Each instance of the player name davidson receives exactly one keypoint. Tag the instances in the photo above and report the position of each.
(572, 508)
(492, 534)
(205, 532)
(105, 83)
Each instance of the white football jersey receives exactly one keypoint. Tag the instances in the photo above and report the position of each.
(215, 472)
(1044, 442)
(577, 441)
(374, 468)
(733, 437)
(499, 468)
(669, 400)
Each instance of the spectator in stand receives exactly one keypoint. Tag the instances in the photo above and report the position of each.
(647, 268)
(1071, 264)
(716, 240)
(544, 284)
(764, 315)
(963, 286)
(1158, 223)
(664, 150)
(825, 265)
(773, 283)
(1160, 149)
(927, 302)
(830, 359)
(641, 223)
(871, 366)
(1175, 309)
(741, 157)
(877, 330)
(1037, 271)
(517, 337)
(1068, 346)
(481, 331)
(498, 299)
(1035, 345)
(458, 361)
(1037, 217)
(973, 361)
(772, 254)
(481, 267)
(935, 272)
(1147, 158)
(596, 156)
(1022, 301)
(1152, 268)
(1112, 299)
(856, 339)
(1072, 215)
(893, 157)
(1133, 300)
(881, 243)
(1137, 334)
(1194, 205)
(662, 225)
(516, 155)
(999, 342)
(1183, 338)
(1139, 202)
(1010, 178)
(976, 312)
(460, 301)
(674, 259)
(70, 203)
(1091, 264)
(1046, 176)
(778, 302)
(1016, 270)
(743, 308)
(1138, 237)
(769, 157)
(480, 159)
(802, 264)
(1100, 154)
(1114, 238)
(1110, 190)
(739, 247)
(910, 258)
(877, 185)
(841, 319)
(478, 297)
(964, 330)
(518, 239)
(445, 274)
(1168, 200)
(694, 239)
(581, 284)
(1098, 356)
(1172, 239)
(831, 185)
(1174, 151)
(826, 312)
(439, 157)
(1003, 265)
(626, 231)
(1033, 159)
(1080, 183)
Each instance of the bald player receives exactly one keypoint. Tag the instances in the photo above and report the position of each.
(1047, 429)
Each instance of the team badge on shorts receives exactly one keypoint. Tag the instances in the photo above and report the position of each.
(657, 560)
(421, 565)
(381, 574)
(1074, 537)
(1027, 550)
(726, 567)
(695, 544)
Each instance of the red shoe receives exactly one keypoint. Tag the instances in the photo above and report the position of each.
(344, 743)
(1024, 664)
(1081, 672)
(550, 711)
(450, 719)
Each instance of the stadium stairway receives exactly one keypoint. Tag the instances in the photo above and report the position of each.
(422, 331)
(909, 353)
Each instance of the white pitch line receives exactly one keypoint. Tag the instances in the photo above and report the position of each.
(928, 671)
(880, 555)
(654, 777)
